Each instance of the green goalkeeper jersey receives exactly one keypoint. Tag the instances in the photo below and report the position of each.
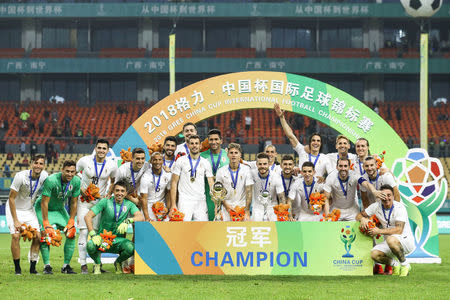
(111, 218)
(58, 191)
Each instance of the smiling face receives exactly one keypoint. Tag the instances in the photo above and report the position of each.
(343, 167)
(120, 192)
(362, 149)
(271, 151)
(234, 155)
(370, 166)
(263, 166)
(157, 162)
(188, 131)
(288, 167)
(215, 142)
(138, 161)
(37, 166)
(388, 201)
(342, 146)
(194, 146)
(68, 173)
(308, 173)
(169, 148)
(101, 149)
(315, 144)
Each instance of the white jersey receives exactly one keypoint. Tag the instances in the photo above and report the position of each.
(155, 186)
(273, 168)
(182, 149)
(321, 162)
(386, 178)
(343, 196)
(272, 183)
(299, 189)
(100, 176)
(236, 195)
(333, 158)
(388, 217)
(23, 186)
(358, 168)
(192, 190)
(125, 172)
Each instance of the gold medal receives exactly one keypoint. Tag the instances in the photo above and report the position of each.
(192, 179)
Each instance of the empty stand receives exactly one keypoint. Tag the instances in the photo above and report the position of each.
(122, 52)
(388, 52)
(411, 54)
(53, 52)
(12, 53)
(286, 52)
(164, 52)
(236, 52)
(349, 52)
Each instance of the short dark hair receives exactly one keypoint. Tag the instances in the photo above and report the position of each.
(369, 158)
(122, 183)
(346, 159)
(287, 157)
(69, 163)
(234, 146)
(321, 139)
(137, 151)
(308, 164)
(194, 137)
(102, 141)
(215, 131)
(262, 155)
(170, 138)
(387, 187)
(190, 123)
(38, 157)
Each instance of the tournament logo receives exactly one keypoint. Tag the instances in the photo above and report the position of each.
(348, 236)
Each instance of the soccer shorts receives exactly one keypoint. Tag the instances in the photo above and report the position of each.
(308, 217)
(407, 244)
(193, 210)
(82, 209)
(348, 214)
(27, 217)
(258, 214)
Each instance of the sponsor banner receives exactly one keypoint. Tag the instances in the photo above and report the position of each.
(443, 224)
(252, 248)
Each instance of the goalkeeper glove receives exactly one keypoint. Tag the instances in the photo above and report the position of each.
(124, 226)
(96, 239)
(70, 229)
(49, 230)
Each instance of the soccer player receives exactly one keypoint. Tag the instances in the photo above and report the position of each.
(342, 146)
(300, 192)
(287, 174)
(115, 214)
(155, 186)
(398, 238)
(265, 182)
(320, 160)
(271, 152)
(132, 172)
(237, 180)
(188, 179)
(100, 171)
(218, 158)
(169, 147)
(24, 190)
(50, 210)
(189, 129)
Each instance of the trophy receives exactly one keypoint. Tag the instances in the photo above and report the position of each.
(264, 198)
(218, 194)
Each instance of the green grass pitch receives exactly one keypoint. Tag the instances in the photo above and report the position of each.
(424, 282)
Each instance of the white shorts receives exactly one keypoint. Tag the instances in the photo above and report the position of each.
(193, 210)
(82, 210)
(258, 214)
(407, 244)
(348, 214)
(27, 217)
(307, 217)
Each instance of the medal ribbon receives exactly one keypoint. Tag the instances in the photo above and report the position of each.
(117, 216)
(234, 179)
(214, 166)
(171, 162)
(307, 195)
(361, 170)
(267, 180)
(388, 219)
(132, 175)
(286, 191)
(193, 170)
(33, 188)
(159, 179)
(376, 180)
(315, 161)
(101, 170)
(65, 189)
(187, 149)
(342, 186)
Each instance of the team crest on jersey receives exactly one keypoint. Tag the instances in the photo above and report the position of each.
(124, 209)
(70, 187)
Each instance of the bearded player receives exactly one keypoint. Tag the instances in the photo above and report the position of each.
(342, 147)
(169, 147)
(24, 190)
(155, 186)
(56, 190)
(188, 179)
(115, 214)
(189, 129)
(236, 179)
(100, 171)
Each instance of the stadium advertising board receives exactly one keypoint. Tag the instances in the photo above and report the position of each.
(252, 248)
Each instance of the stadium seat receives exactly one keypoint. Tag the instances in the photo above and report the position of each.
(53, 52)
(411, 54)
(388, 52)
(286, 52)
(235, 52)
(12, 53)
(349, 52)
(164, 52)
(122, 52)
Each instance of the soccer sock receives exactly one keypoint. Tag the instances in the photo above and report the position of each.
(33, 266)
(127, 251)
(69, 248)
(82, 241)
(17, 264)
(45, 252)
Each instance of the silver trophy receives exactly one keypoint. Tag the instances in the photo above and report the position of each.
(265, 199)
(218, 194)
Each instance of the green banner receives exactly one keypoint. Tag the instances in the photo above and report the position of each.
(222, 65)
(185, 10)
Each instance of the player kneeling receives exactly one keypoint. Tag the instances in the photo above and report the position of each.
(114, 218)
(398, 238)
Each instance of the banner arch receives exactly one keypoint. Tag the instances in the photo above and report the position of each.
(247, 90)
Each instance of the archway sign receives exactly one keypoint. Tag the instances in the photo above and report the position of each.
(309, 97)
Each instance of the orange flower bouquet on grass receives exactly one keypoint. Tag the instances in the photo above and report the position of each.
(380, 159)
(175, 215)
(282, 212)
(27, 232)
(332, 217)
(237, 214)
(373, 222)
(158, 147)
(90, 194)
(316, 201)
(160, 210)
(125, 155)
(108, 239)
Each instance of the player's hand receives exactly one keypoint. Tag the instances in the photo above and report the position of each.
(49, 230)
(70, 229)
(96, 239)
(320, 179)
(124, 226)
(278, 110)
(374, 231)
(296, 171)
(247, 216)
(364, 223)
(17, 225)
(380, 195)
(166, 169)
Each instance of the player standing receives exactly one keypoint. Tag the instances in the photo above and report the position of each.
(189, 129)
(100, 171)
(237, 180)
(169, 147)
(50, 210)
(342, 146)
(24, 190)
(188, 179)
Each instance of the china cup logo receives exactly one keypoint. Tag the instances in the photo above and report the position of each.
(348, 236)
(423, 190)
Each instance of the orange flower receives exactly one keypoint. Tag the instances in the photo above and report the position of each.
(332, 217)
(108, 239)
(282, 212)
(373, 222)
(205, 145)
(237, 214)
(125, 155)
(158, 147)
(175, 215)
(91, 193)
(160, 210)
(57, 239)
(380, 159)
(27, 232)
(316, 201)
